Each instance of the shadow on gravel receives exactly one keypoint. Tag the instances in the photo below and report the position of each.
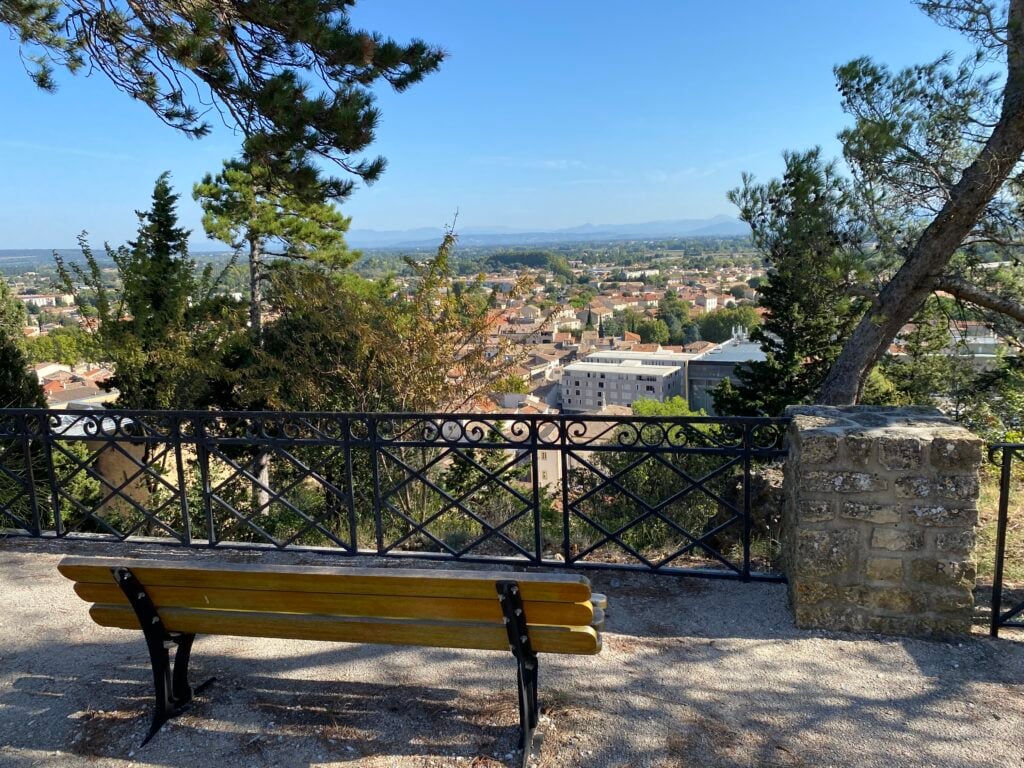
(254, 710)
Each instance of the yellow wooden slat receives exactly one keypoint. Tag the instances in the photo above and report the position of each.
(539, 587)
(382, 606)
(544, 639)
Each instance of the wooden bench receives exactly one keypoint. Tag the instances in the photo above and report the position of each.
(173, 601)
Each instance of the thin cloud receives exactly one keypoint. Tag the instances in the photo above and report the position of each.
(662, 176)
(536, 164)
(61, 150)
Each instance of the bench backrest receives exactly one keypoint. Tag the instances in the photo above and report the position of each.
(394, 606)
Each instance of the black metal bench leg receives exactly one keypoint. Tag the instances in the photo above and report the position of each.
(528, 709)
(170, 684)
(526, 663)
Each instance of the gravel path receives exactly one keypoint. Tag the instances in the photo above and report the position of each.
(693, 674)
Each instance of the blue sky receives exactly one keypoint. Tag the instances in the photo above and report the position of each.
(546, 114)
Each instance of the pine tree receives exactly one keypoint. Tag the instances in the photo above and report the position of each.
(18, 387)
(247, 207)
(804, 226)
(289, 75)
(157, 333)
(12, 314)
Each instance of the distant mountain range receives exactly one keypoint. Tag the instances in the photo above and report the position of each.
(716, 226)
(16, 260)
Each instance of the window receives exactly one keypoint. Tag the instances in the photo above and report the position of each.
(600, 385)
(650, 388)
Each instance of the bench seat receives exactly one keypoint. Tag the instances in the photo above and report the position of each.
(173, 601)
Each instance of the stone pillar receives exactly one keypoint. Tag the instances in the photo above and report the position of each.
(878, 527)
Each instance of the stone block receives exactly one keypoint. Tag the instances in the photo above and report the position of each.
(893, 625)
(961, 453)
(896, 540)
(941, 516)
(896, 600)
(960, 487)
(858, 449)
(885, 569)
(826, 553)
(955, 542)
(819, 447)
(899, 452)
(814, 511)
(807, 592)
(872, 513)
(830, 616)
(951, 600)
(944, 625)
(841, 482)
(943, 573)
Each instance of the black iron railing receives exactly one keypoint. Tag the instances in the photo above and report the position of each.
(1004, 455)
(654, 493)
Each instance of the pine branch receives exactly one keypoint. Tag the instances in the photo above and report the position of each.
(974, 294)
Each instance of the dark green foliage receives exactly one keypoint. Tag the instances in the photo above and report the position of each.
(13, 315)
(69, 346)
(806, 227)
(291, 75)
(164, 331)
(676, 316)
(653, 331)
(718, 325)
(930, 370)
(19, 387)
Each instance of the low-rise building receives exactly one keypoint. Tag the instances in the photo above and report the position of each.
(590, 386)
(707, 370)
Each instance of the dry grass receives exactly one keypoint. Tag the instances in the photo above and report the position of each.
(988, 508)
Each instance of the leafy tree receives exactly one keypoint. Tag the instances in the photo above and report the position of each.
(249, 208)
(936, 151)
(806, 228)
(718, 325)
(13, 316)
(291, 75)
(344, 343)
(19, 387)
(69, 346)
(653, 331)
(929, 372)
(158, 332)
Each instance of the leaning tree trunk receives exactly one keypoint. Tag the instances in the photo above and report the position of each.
(920, 274)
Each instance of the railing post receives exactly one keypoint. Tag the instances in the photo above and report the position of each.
(203, 457)
(748, 430)
(51, 471)
(30, 480)
(371, 423)
(350, 485)
(538, 538)
(186, 523)
(1004, 508)
(563, 450)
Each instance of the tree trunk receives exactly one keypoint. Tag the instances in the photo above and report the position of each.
(260, 494)
(904, 295)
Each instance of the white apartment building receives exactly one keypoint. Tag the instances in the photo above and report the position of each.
(590, 386)
(660, 357)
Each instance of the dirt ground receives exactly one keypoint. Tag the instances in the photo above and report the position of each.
(700, 674)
